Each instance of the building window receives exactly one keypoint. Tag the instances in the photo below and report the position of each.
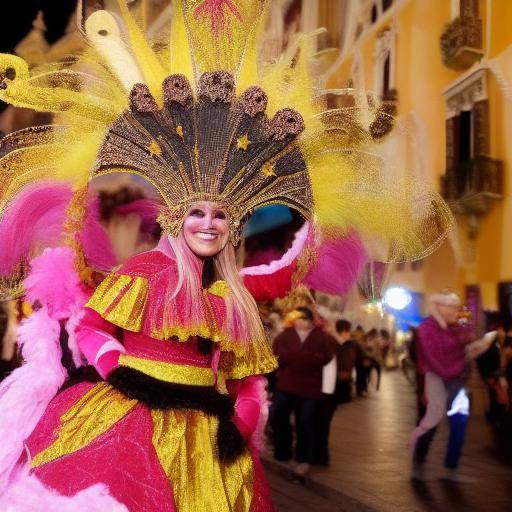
(384, 62)
(385, 76)
(375, 13)
(465, 118)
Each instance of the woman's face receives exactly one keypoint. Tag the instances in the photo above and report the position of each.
(206, 228)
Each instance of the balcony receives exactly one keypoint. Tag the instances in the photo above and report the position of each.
(471, 188)
(461, 43)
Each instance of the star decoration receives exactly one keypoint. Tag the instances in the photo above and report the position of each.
(267, 169)
(179, 130)
(243, 142)
(154, 148)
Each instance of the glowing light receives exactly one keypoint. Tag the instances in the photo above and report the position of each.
(460, 404)
(397, 298)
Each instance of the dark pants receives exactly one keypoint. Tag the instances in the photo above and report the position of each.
(326, 408)
(362, 374)
(304, 410)
(343, 391)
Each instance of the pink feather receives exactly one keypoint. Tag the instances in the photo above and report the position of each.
(339, 264)
(95, 241)
(146, 209)
(28, 494)
(33, 220)
(26, 393)
(54, 283)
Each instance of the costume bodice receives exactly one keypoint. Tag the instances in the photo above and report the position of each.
(158, 330)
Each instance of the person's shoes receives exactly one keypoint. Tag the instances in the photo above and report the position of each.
(418, 472)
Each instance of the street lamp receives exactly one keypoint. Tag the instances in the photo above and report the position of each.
(397, 298)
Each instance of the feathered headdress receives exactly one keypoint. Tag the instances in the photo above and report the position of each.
(201, 117)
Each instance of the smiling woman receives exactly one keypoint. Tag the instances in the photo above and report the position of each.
(206, 228)
(171, 423)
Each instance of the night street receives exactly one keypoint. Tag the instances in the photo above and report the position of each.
(370, 462)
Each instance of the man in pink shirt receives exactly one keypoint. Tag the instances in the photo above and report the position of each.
(443, 337)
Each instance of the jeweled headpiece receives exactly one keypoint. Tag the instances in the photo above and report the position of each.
(214, 146)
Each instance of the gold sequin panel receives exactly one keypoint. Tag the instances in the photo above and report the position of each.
(185, 442)
(170, 372)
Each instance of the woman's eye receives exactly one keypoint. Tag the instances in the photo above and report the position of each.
(196, 213)
(220, 215)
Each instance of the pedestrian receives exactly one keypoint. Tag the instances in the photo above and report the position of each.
(421, 406)
(368, 362)
(302, 352)
(326, 408)
(348, 355)
(387, 355)
(489, 364)
(443, 337)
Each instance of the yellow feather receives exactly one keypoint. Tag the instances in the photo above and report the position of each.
(180, 56)
(154, 73)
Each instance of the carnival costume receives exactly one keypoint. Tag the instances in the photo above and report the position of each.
(171, 428)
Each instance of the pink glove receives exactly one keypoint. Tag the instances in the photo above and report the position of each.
(107, 362)
(96, 341)
(250, 404)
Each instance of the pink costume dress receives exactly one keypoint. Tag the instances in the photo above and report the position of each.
(159, 430)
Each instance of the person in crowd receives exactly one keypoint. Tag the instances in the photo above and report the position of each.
(490, 367)
(368, 362)
(443, 337)
(359, 335)
(326, 406)
(348, 355)
(419, 375)
(302, 350)
(506, 357)
(385, 345)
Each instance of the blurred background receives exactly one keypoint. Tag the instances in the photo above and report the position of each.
(444, 68)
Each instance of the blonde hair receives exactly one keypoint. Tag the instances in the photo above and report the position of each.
(242, 320)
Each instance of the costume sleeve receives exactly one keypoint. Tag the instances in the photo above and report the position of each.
(97, 341)
(251, 407)
(275, 279)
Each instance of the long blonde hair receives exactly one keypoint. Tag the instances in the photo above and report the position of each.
(242, 320)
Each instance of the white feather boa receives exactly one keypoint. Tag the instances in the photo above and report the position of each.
(26, 393)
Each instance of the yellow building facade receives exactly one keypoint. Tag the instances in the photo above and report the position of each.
(449, 65)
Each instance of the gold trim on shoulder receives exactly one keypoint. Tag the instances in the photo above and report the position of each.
(219, 288)
(121, 299)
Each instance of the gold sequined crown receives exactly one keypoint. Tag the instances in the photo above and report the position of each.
(214, 147)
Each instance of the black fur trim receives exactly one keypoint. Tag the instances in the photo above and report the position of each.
(157, 394)
(79, 375)
(230, 441)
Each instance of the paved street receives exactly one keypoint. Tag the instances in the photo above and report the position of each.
(370, 462)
